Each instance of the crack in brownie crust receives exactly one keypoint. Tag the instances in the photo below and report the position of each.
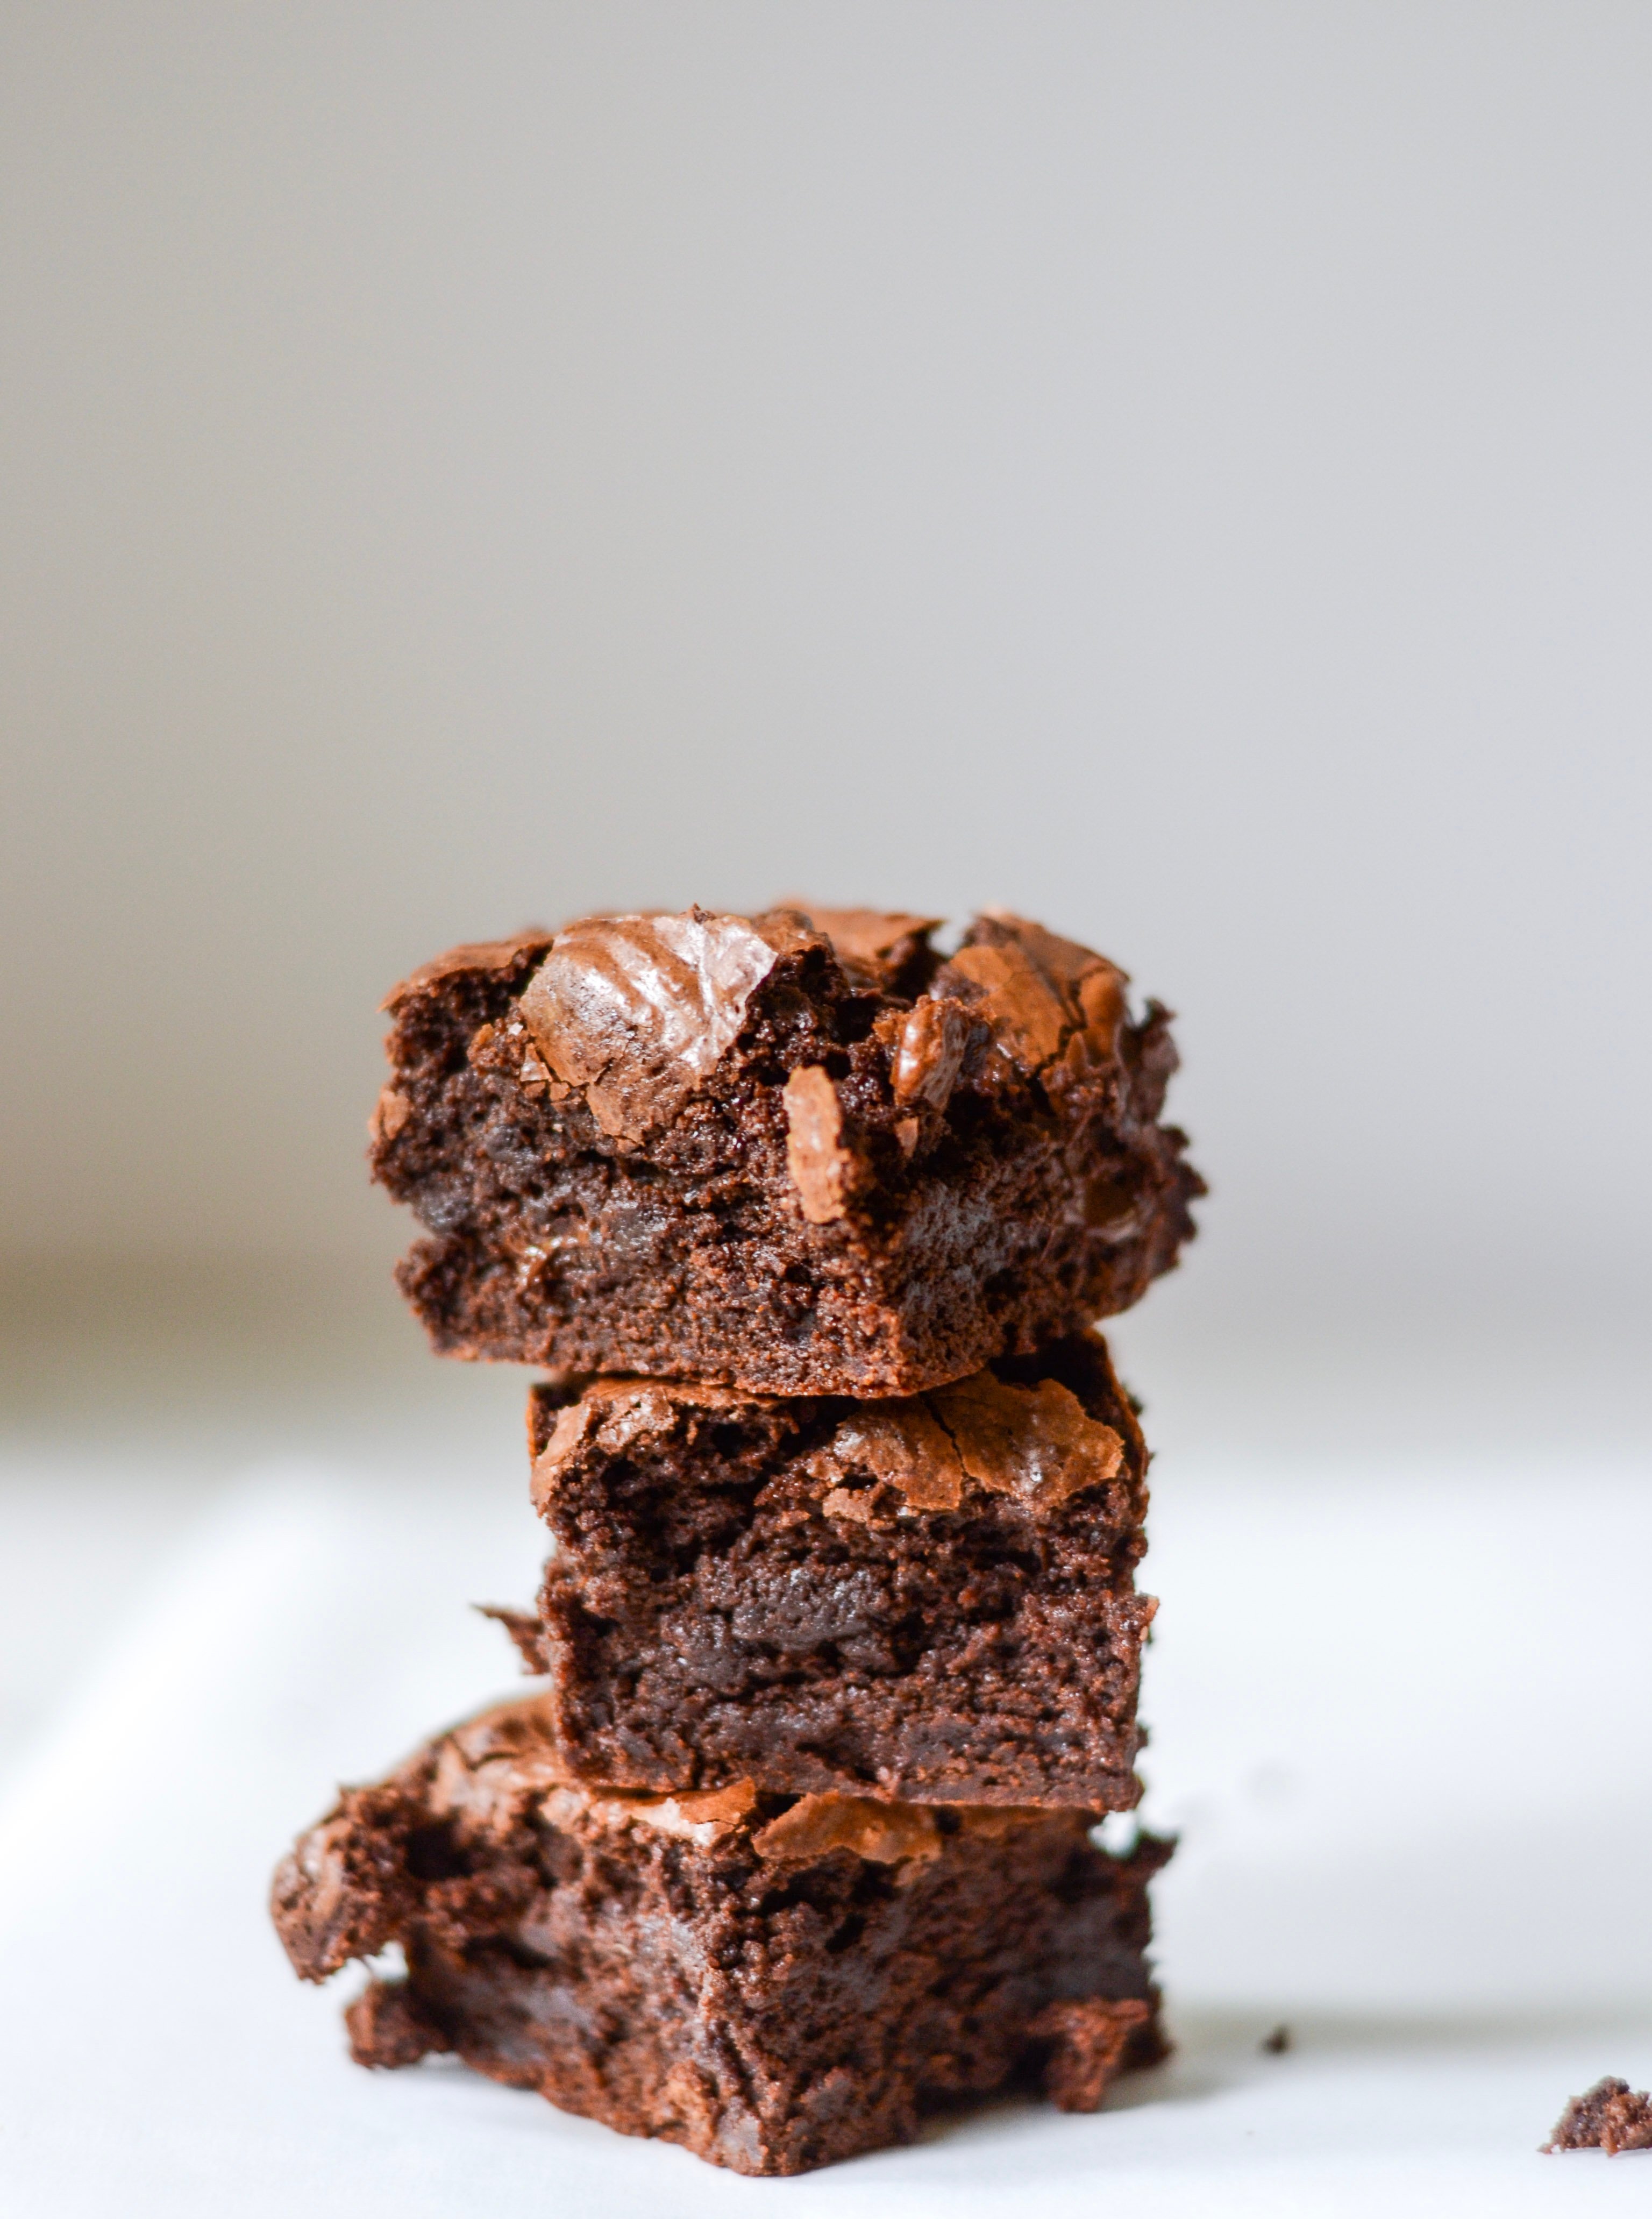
(774, 1983)
(931, 1598)
(802, 1154)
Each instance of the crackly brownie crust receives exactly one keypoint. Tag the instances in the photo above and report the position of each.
(929, 1598)
(774, 1983)
(798, 1155)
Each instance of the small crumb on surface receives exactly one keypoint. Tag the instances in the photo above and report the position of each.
(1611, 2116)
(1276, 2043)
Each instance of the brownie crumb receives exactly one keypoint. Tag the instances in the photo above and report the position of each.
(1276, 2043)
(1612, 2116)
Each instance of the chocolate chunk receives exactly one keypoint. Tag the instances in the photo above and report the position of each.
(637, 1011)
(929, 1053)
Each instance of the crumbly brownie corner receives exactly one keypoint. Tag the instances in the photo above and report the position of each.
(836, 1967)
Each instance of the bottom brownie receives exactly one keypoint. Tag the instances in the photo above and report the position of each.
(774, 1981)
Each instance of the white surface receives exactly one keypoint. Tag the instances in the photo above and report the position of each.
(1408, 1806)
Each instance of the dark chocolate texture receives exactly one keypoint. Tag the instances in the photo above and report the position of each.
(798, 1153)
(926, 1597)
(774, 1983)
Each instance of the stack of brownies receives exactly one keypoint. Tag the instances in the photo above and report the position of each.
(839, 1633)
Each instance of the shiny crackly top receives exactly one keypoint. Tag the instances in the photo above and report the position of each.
(1036, 1443)
(635, 1012)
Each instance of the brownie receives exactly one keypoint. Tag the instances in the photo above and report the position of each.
(773, 1982)
(926, 1597)
(796, 1153)
(1611, 2116)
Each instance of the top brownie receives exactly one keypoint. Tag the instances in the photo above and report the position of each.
(794, 1154)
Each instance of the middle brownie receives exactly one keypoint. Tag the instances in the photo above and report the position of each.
(930, 1598)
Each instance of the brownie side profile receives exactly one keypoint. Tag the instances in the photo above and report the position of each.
(773, 1983)
(796, 1153)
(929, 1598)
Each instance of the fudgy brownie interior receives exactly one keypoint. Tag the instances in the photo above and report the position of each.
(796, 1153)
(929, 1597)
(773, 1983)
